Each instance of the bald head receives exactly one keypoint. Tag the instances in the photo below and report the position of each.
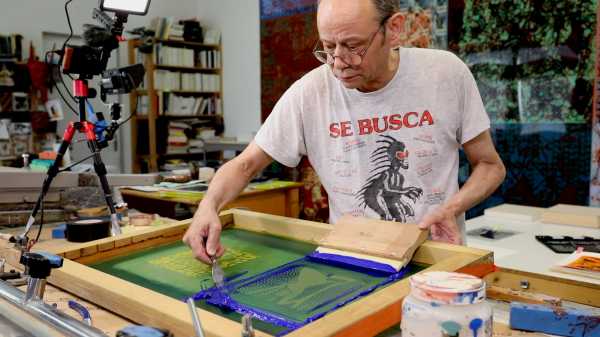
(344, 12)
(360, 27)
(382, 8)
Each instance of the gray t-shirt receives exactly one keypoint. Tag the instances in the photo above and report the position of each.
(390, 154)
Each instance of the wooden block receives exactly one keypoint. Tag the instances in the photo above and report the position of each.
(515, 212)
(104, 246)
(122, 242)
(510, 295)
(73, 254)
(554, 320)
(572, 215)
(144, 236)
(173, 232)
(386, 239)
(90, 250)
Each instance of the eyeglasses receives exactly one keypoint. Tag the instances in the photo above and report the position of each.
(347, 54)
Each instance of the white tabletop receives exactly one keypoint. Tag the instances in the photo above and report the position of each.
(522, 251)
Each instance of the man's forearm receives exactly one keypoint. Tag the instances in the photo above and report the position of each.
(229, 181)
(483, 181)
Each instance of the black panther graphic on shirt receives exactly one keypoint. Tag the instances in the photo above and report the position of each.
(384, 191)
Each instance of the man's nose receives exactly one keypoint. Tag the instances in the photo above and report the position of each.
(338, 58)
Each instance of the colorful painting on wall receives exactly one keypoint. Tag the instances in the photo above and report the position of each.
(288, 33)
(536, 82)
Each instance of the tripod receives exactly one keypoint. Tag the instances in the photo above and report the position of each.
(81, 93)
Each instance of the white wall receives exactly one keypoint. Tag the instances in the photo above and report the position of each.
(32, 17)
(239, 23)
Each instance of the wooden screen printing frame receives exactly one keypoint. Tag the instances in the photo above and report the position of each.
(364, 317)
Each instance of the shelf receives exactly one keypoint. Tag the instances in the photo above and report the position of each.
(198, 45)
(8, 158)
(191, 117)
(187, 69)
(144, 92)
(182, 154)
(144, 117)
(185, 92)
(152, 124)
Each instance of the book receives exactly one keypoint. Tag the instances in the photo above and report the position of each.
(212, 36)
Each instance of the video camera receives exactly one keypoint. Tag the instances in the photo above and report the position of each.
(91, 60)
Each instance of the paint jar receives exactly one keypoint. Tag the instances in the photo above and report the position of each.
(442, 304)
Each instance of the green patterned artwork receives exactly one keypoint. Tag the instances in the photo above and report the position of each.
(172, 270)
(533, 60)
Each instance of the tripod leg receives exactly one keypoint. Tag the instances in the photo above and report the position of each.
(52, 172)
(101, 173)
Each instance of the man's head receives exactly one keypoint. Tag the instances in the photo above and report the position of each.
(359, 36)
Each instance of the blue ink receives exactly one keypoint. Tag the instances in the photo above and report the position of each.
(475, 325)
(450, 329)
(434, 304)
(471, 296)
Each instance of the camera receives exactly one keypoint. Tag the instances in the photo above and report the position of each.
(122, 80)
(92, 58)
(82, 60)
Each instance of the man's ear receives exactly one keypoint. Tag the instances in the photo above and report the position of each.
(396, 29)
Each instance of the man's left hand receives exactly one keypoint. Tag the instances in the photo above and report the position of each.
(443, 226)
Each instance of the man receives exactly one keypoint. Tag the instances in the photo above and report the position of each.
(382, 127)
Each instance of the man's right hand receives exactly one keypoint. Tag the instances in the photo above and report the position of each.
(203, 235)
(229, 181)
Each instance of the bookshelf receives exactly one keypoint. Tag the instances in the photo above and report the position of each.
(183, 82)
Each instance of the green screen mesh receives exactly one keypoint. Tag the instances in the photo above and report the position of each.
(173, 271)
(302, 289)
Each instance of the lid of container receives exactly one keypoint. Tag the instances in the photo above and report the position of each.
(447, 288)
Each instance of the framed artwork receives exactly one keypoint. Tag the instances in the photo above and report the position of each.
(20, 101)
(55, 110)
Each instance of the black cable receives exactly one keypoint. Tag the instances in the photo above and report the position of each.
(70, 34)
(62, 80)
(126, 120)
(70, 26)
(55, 85)
(39, 233)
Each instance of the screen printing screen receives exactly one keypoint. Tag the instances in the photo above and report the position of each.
(263, 274)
